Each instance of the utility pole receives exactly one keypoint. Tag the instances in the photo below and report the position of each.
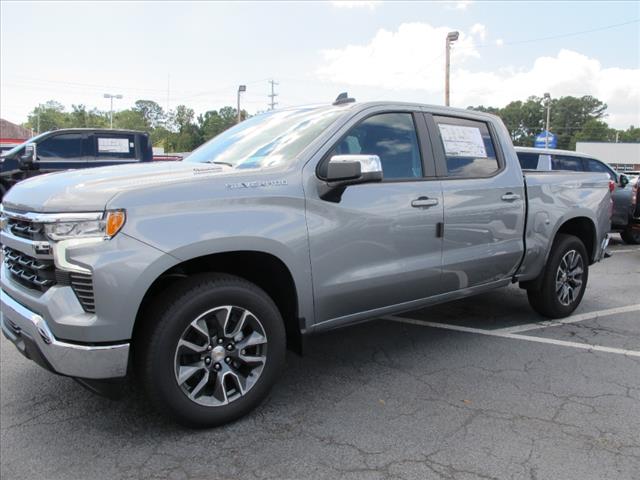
(547, 98)
(451, 37)
(273, 95)
(111, 97)
(241, 88)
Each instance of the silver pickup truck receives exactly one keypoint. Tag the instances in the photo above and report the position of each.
(194, 277)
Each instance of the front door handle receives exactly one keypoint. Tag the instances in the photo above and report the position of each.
(422, 202)
(510, 197)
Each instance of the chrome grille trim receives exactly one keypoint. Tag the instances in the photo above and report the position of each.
(31, 272)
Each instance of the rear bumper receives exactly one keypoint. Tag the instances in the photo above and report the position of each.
(31, 335)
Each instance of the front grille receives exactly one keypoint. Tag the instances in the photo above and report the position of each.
(31, 272)
(26, 229)
(82, 285)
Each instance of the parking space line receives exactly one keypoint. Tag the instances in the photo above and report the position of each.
(572, 319)
(630, 250)
(513, 336)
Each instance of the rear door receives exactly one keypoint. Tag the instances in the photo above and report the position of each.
(484, 202)
(114, 148)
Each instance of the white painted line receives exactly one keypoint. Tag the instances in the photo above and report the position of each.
(625, 251)
(526, 338)
(573, 319)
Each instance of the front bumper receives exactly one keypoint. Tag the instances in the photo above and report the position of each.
(31, 335)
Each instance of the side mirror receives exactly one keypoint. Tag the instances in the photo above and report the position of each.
(623, 180)
(345, 170)
(29, 157)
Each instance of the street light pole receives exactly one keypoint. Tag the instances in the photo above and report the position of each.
(111, 97)
(241, 88)
(451, 37)
(547, 98)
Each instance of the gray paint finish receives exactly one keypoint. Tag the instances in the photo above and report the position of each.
(369, 254)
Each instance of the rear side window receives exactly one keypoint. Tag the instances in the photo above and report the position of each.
(566, 162)
(468, 147)
(596, 166)
(64, 146)
(391, 136)
(528, 161)
(115, 147)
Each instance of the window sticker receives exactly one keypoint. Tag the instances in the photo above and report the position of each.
(462, 141)
(113, 145)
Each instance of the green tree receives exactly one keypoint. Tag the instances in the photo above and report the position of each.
(151, 111)
(130, 120)
(570, 114)
(47, 116)
(630, 135)
(595, 131)
(80, 117)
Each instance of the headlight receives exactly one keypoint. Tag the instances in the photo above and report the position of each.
(105, 227)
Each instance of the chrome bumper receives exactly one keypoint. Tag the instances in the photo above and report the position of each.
(30, 333)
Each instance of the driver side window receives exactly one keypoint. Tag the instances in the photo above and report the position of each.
(391, 136)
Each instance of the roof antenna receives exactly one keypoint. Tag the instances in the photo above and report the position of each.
(343, 98)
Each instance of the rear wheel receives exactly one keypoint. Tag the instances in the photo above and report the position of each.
(564, 279)
(213, 351)
(631, 235)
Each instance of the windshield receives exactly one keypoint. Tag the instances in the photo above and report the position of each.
(19, 147)
(268, 139)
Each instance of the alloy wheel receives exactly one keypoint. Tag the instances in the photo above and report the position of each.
(569, 277)
(220, 355)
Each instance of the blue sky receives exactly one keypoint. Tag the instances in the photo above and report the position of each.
(76, 51)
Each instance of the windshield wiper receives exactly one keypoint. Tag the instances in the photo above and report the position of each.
(221, 163)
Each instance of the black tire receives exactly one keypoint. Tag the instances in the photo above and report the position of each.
(630, 235)
(546, 300)
(156, 349)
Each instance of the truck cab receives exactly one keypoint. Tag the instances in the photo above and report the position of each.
(70, 149)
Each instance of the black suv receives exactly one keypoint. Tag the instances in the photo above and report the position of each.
(73, 148)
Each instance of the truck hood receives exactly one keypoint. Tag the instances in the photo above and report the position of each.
(90, 189)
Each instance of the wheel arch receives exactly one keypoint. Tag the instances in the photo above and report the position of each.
(585, 229)
(264, 269)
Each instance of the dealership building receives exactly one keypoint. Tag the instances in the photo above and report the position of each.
(624, 157)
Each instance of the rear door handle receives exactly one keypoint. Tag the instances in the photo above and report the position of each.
(424, 202)
(510, 197)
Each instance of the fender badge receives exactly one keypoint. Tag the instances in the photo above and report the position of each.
(256, 184)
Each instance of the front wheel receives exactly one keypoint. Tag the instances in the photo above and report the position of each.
(630, 235)
(212, 350)
(564, 279)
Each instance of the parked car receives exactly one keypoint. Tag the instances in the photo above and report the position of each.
(195, 276)
(626, 209)
(73, 148)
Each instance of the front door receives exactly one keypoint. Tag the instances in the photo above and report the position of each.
(380, 244)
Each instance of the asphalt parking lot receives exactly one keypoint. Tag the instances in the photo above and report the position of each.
(474, 389)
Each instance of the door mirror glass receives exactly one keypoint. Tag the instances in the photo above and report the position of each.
(29, 157)
(624, 180)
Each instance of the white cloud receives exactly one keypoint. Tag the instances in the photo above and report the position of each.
(411, 59)
(407, 59)
(499, 42)
(479, 30)
(370, 4)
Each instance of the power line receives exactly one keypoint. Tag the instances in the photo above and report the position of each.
(272, 95)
